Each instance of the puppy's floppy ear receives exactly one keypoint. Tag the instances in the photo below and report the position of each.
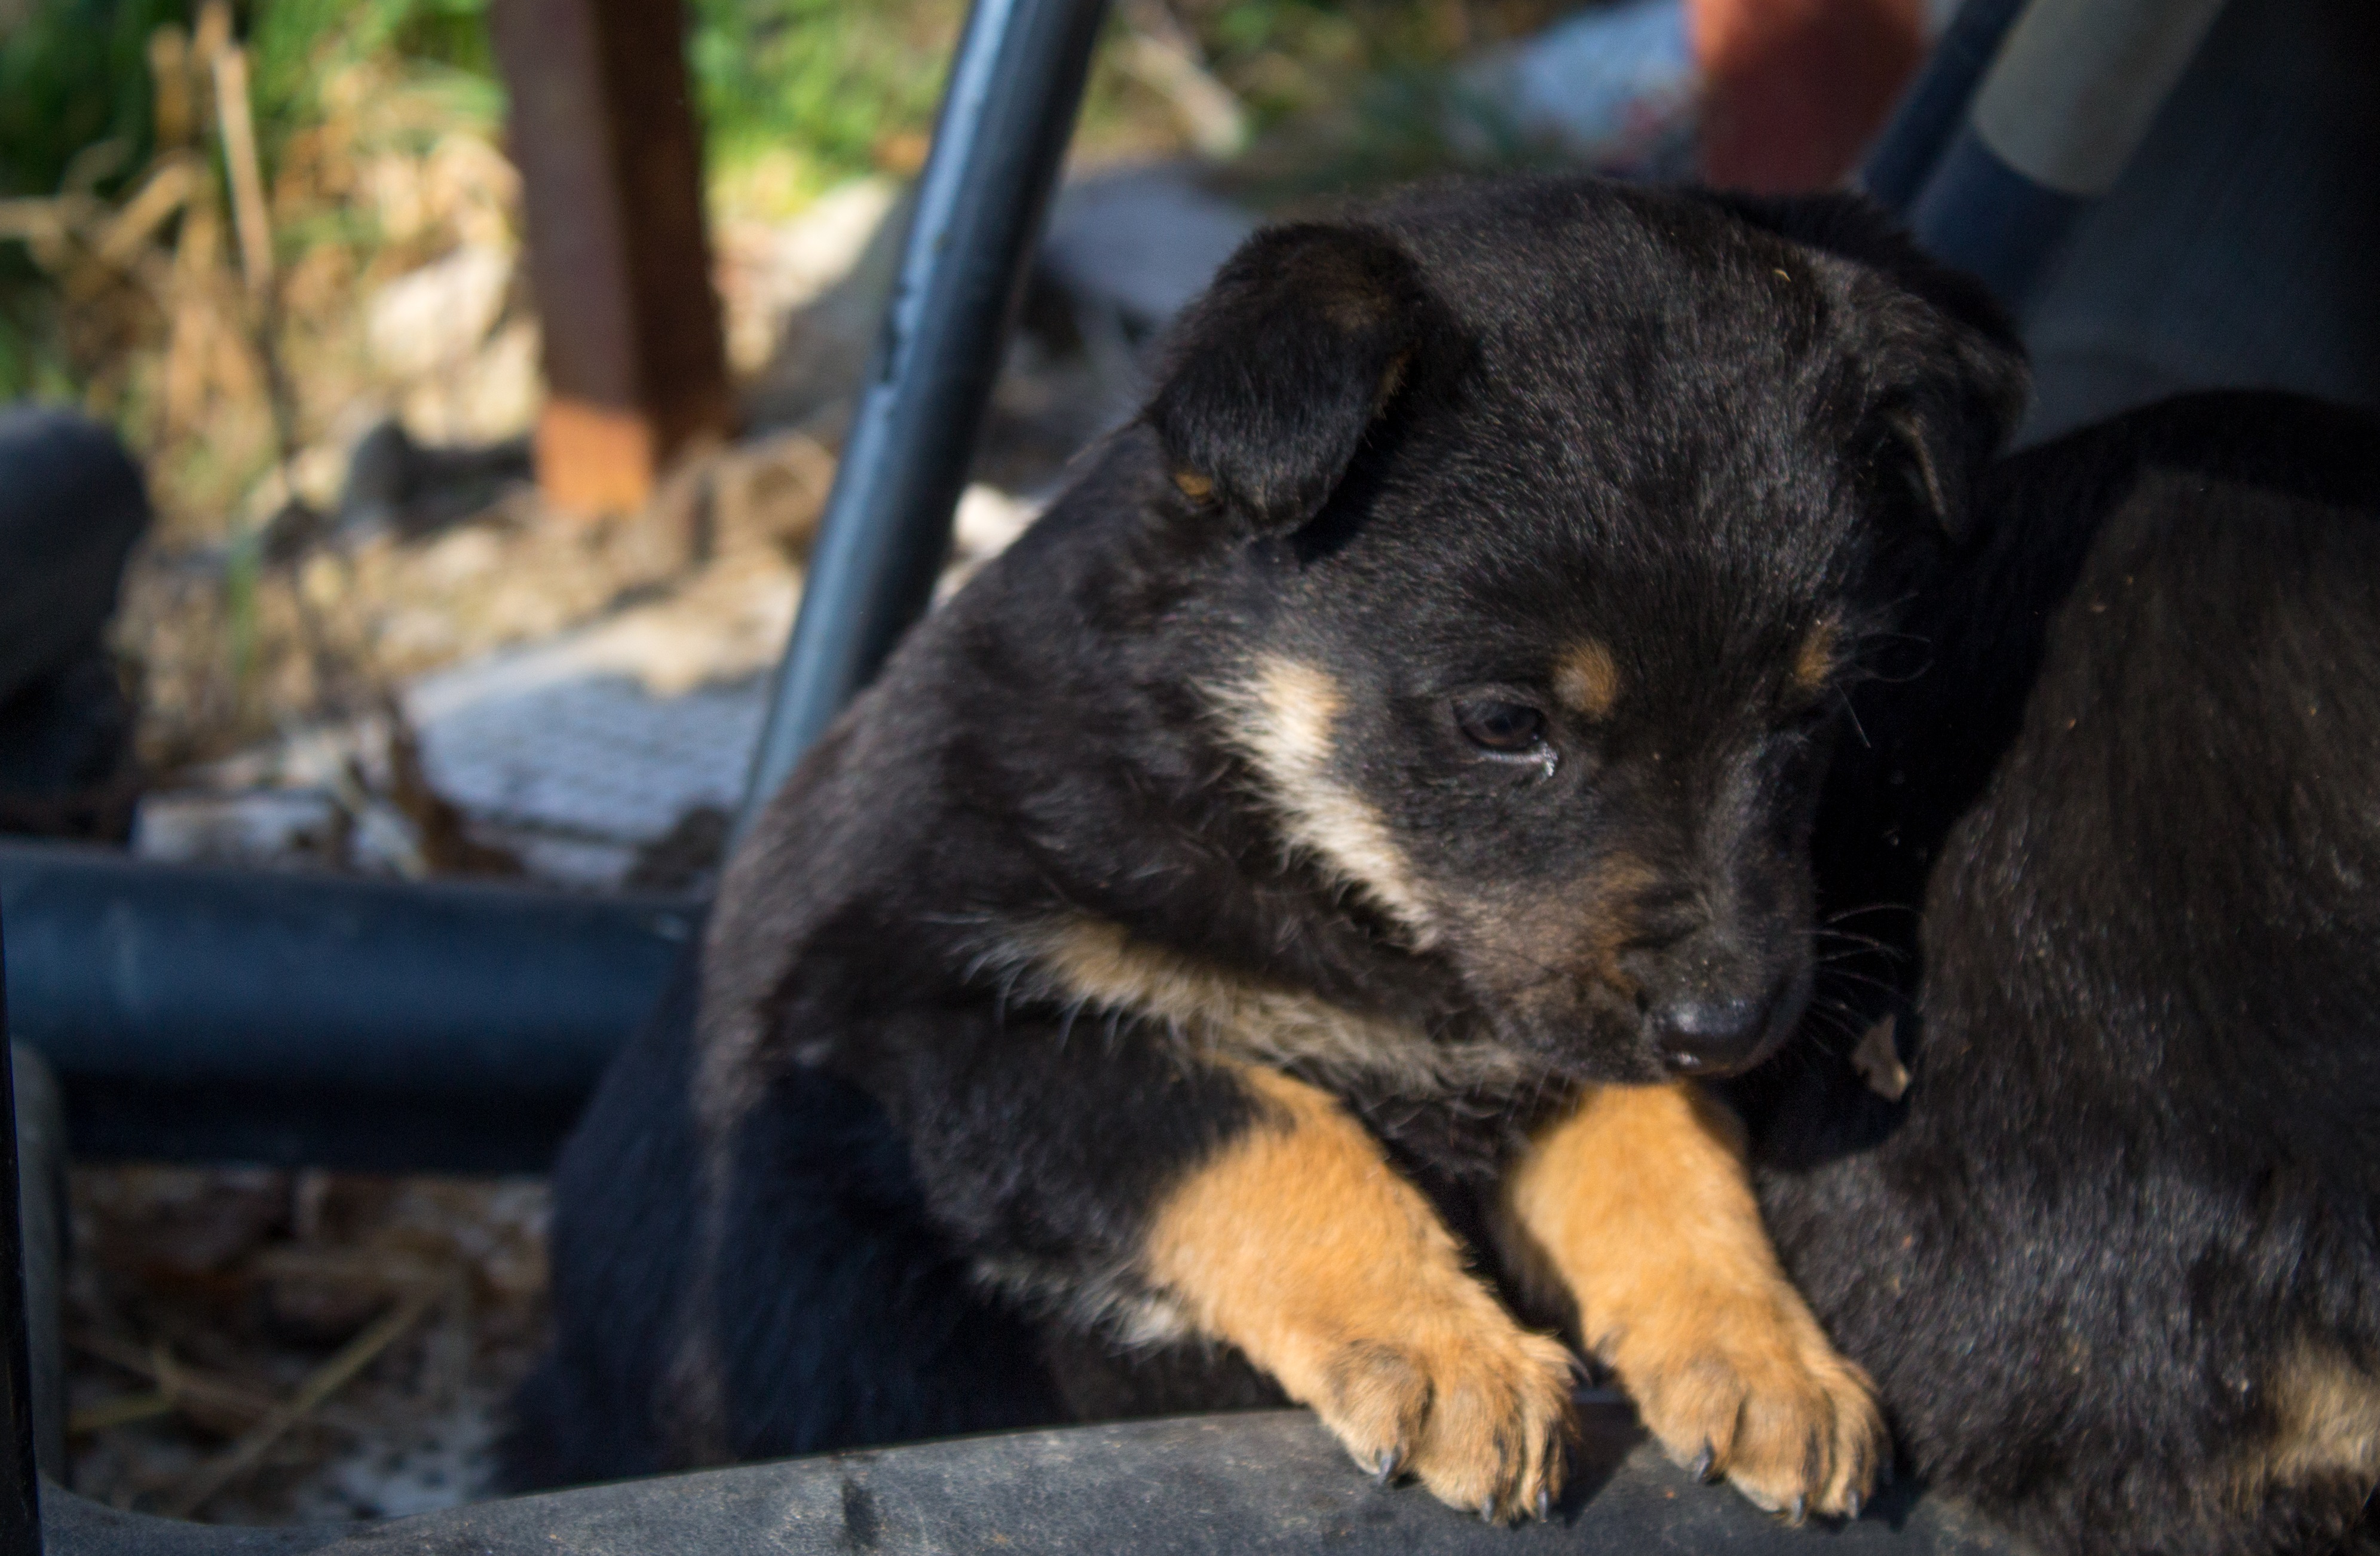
(1949, 378)
(1276, 372)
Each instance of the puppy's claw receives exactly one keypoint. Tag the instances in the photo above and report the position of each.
(1545, 1504)
(1852, 1503)
(1774, 1409)
(1479, 1420)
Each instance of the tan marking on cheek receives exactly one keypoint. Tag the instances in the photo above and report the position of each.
(1610, 904)
(1299, 1244)
(1197, 487)
(2329, 1414)
(1816, 659)
(1588, 679)
(1635, 1212)
(1579, 931)
(1282, 718)
(1220, 1015)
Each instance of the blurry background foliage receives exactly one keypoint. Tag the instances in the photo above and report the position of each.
(796, 95)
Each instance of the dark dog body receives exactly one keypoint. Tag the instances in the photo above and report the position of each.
(1411, 725)
(2113, 1259)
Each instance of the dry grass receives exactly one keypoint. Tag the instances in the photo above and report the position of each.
(207, 1312)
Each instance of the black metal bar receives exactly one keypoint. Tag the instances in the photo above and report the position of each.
(42, 1244)
(20, 1485)
(1991, 221)
(1014, 86)
(279, 1016)
(1906, 154)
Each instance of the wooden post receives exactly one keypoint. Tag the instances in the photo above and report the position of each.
(610, 154)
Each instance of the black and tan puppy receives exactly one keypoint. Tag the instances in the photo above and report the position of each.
(1300, 870)
(2114, 1256)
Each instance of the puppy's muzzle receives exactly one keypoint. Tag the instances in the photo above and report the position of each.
(1710, 993)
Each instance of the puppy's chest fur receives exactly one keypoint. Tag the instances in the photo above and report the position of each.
(1449, 1111)
(1449, 1103)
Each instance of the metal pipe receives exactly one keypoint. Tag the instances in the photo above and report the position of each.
(1016, 84)
(274, 1015)
(41, 1244)
(1906, 153)
(2067, 101)
(20, 1486)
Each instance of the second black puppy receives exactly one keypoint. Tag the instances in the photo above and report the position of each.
(2114, 1255)
(1300, 868)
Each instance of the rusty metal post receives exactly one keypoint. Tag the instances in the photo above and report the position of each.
(610, 154)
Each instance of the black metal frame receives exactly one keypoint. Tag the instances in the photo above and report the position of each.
(1007, 113)
(229, 1014)
(21, 1484)
(214, 1014)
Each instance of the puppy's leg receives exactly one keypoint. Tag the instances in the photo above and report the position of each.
(1636, 1207)
(1297, 1242)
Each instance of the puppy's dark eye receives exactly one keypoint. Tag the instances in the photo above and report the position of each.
(1505, 728)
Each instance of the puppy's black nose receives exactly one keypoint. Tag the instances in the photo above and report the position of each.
(1708, 1037)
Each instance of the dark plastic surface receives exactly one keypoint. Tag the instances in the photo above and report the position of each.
(1247, 1485)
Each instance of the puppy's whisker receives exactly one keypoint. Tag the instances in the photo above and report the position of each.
(1822, 931)
(1838, 974)
(1843, 914)
(1852, 713)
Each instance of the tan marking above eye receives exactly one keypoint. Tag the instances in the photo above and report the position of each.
(1814, 661)
(1587, 678)
(1196, 487)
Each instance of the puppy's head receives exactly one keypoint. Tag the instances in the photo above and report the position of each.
(1547, 523)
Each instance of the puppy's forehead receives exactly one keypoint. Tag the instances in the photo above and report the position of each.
(1557, 255)
(1639, 341)
(1641, 449)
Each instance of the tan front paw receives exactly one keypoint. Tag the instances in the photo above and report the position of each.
(1481, 1418)
(1761, 1398)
